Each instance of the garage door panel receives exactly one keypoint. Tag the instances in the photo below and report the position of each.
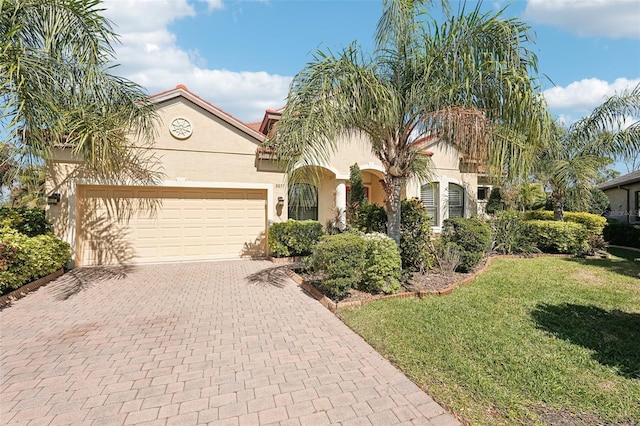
(137, 225)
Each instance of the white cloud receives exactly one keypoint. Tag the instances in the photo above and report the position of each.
(149, 55)
(213, 4)
(609, 18)
(584, 95)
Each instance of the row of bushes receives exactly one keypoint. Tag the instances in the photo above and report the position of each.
(366, 259)
(28, 248)
(622, 234)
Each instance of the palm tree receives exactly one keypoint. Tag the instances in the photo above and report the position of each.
(465, 80)
(572, 158)
(56, 88)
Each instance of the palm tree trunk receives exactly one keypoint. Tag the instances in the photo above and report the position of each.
(558, 211)
(393, 188)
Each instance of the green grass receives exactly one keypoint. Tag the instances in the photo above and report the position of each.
(530, 341)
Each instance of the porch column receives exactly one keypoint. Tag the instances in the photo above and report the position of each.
(341, 203)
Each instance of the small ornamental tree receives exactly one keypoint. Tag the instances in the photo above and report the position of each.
(357, 193)
(495, 203)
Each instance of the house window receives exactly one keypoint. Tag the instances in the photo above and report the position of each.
(429, 197)
(303, 202)
(456, 200)
(637, 209)
(483, 193)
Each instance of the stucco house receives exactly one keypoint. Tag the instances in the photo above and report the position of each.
(624, 197)
(221, 189)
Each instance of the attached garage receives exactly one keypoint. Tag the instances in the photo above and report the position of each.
(126, 224)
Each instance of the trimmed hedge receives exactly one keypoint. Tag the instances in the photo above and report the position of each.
(342, 258)
(592, 222)
(470, 236)
(294, 237)
(382, 265)
(558, 237)
(622, 234)
(24, 259)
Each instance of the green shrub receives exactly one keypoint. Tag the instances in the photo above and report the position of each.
(371, 218)
(510, 234)
(30, 222)
(472, 238)
(342, 259)
(382, 265)
(415, 234)
(294, 237)
(622, 234)
(592, 222)
(26, 259)
(558, 237)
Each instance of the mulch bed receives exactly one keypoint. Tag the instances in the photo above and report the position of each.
(420, 283)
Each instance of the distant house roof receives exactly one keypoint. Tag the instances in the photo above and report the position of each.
(627, 179)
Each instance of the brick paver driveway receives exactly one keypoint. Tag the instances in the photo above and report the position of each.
(234, 342)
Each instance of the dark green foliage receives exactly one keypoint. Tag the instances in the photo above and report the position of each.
(30, 222)
(510, 234)
(558, 237)
(622, 234)
(472, 238)
(371, 218)
(415, 234)
(342, 259)
(382, 265)
(294, 237)
(596, 202)
(357, 192)
(495, 202)
(25, 259)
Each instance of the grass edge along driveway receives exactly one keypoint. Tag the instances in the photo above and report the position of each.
(530, 341)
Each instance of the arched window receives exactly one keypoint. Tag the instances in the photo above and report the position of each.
(303, 201)
(429, 197)
(456, 200)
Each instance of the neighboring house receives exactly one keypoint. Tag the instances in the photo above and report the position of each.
(222, 189)
(624, 197)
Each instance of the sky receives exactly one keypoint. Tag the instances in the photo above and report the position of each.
(241, 55)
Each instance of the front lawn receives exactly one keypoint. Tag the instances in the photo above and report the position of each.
(531, 341)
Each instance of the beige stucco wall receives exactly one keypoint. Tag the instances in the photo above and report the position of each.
(618, 203)
(446, 170)
(216, 155)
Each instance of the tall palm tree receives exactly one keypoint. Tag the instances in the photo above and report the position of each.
(572, 158)
(56, 87)
(466, 81)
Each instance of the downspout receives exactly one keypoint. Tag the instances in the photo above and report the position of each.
(628, 203)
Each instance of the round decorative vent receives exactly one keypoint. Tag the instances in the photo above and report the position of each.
(180, 128)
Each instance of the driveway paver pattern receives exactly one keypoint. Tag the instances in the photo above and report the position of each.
(230, 342)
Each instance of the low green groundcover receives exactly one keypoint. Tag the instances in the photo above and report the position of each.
(531, 341)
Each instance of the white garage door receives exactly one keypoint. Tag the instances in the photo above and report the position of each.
(119, 225)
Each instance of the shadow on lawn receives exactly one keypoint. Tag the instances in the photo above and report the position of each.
(614, 336)
(627, 265)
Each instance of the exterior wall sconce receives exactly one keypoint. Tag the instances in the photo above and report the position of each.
(53, 199)
(280, 200)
